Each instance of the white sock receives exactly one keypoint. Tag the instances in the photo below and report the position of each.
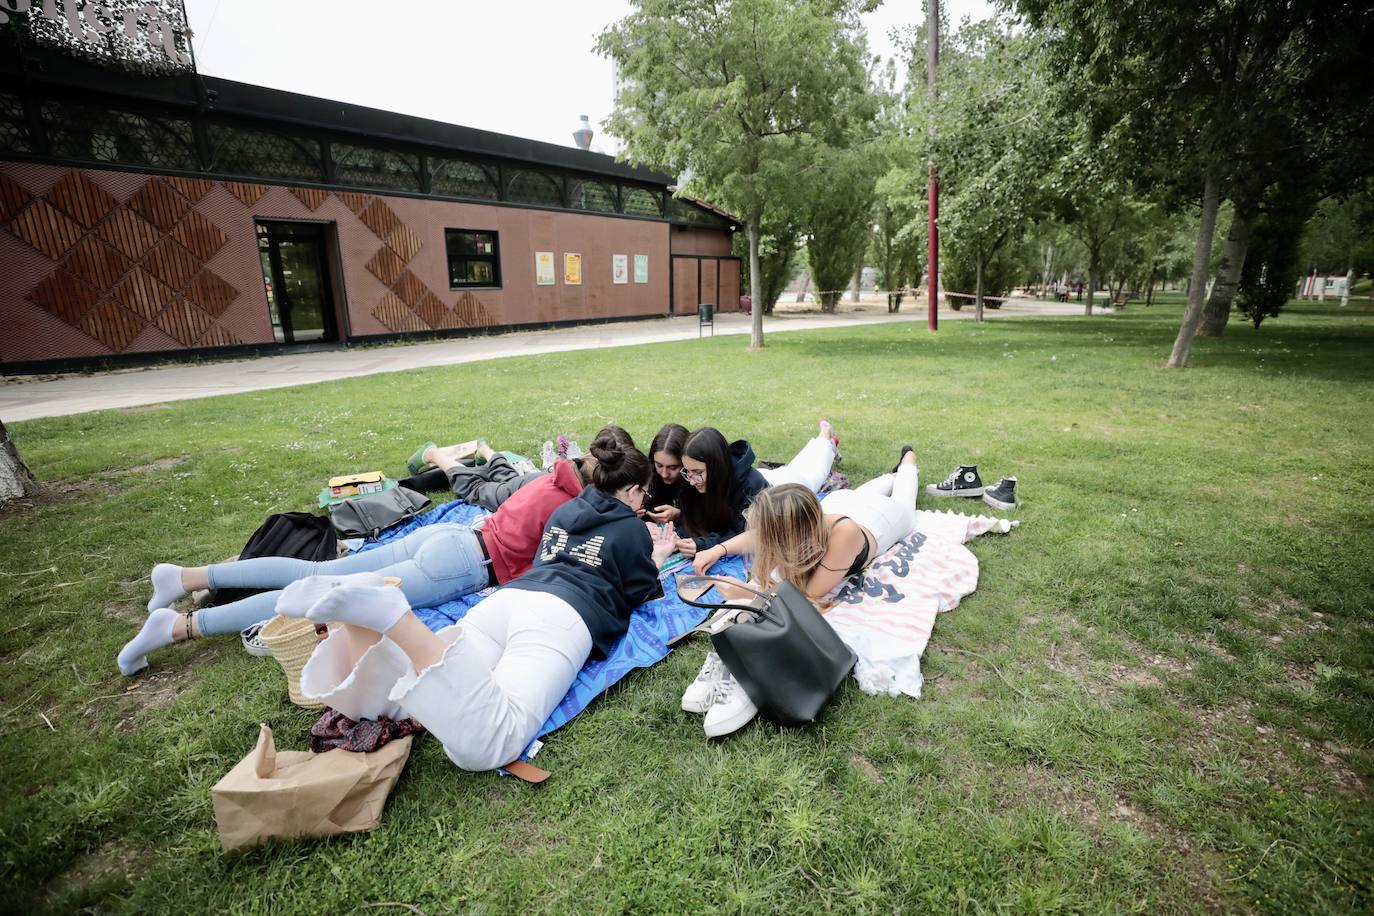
(300, 596)
(376, 607)
(166, 586)
(156, 633)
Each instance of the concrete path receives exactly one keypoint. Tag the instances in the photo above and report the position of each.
(24, 398)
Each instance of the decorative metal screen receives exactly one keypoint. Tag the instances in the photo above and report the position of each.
(369, 167)
(239, 151)
(639, 202)
(13, 136)
(526, 186)
(456, 178)
(592, 195)
(125, 137)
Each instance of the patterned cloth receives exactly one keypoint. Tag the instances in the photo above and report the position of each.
(887, 612)
(653, 625)
(336, 730)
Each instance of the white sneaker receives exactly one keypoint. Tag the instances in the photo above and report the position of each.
(731, 709)
(697, 697)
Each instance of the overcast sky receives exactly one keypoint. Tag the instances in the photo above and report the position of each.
(522, 67)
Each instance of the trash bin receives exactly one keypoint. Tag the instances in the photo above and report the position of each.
(706, 312)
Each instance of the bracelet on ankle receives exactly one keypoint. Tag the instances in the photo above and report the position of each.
(190, 631)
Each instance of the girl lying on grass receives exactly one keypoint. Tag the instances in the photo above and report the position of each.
(435, 564)
(791, 537)
(722, 481)
(484, 685)
(665, 487)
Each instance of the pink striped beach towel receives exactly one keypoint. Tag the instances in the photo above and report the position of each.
(886, 613)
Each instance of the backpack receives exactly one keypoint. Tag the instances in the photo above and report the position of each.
(289, 534)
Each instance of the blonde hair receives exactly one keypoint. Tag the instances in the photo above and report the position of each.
(789, 534)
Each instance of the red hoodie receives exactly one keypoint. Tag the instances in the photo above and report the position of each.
(512, 535)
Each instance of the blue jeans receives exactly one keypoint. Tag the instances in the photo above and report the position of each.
(435, 564)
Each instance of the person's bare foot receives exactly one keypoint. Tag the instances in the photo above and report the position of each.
(485, 451)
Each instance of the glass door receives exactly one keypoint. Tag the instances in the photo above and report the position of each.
(296, 276)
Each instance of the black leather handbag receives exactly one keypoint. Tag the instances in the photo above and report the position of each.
(782, 651)
(370, 515)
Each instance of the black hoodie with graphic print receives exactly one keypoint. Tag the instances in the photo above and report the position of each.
(596, 555)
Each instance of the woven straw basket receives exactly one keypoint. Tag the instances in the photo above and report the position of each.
(291, 640)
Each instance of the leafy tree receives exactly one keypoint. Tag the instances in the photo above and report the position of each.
(735, 94)
(1218, 93)
(837, 218)
(778, 250)
(995, 143)
(1271, 267)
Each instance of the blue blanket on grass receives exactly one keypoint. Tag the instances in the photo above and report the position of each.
(652, 625)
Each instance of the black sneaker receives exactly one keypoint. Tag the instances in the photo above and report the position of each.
(963, 481)
(1002, 496)
(905, 449)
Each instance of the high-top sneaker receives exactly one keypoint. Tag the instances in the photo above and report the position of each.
(1002, 496)
(962, 481)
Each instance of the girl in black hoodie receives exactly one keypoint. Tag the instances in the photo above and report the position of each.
(484, 685)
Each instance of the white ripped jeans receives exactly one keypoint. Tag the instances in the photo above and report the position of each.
(810, 468)
(508, 664)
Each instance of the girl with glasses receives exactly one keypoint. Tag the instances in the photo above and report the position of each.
(721, 482)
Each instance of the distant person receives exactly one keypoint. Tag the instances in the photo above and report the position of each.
(1080, 290)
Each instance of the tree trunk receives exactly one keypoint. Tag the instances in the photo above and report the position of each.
(1349, 282)
(856, 284)
(755, 286)
(1202, 255)
(806, 284)
(16, 481)
(1150, 290)
(1218, 309)
(978, 291)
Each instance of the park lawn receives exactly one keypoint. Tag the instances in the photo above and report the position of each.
(1159, 698)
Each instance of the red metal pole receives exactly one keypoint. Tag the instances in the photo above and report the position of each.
(933, 189)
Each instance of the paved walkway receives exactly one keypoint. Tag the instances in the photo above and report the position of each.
(30, 398)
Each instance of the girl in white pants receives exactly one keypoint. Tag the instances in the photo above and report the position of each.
(484, 685)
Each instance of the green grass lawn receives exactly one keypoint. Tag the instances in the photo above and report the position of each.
(1169, 708)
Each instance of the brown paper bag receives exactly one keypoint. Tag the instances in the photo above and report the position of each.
(276, 796)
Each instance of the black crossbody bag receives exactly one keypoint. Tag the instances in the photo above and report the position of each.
(788, 659)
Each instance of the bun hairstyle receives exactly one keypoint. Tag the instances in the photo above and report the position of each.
(617, 465)
(617, 433)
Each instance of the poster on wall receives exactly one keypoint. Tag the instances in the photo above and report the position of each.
(543, 268)
(641, 268)
(572, 269)
(620, 268)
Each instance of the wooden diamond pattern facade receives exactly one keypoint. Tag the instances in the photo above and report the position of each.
(311, 197)
(248, 194)
(122, 267)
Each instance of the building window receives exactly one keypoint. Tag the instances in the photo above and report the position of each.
(265, 154)
(14, 137)
(592, 195)
(107, 135)
(473, 258)
(530, 187)
(639, 202)
(456, 178)
(368, 167)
